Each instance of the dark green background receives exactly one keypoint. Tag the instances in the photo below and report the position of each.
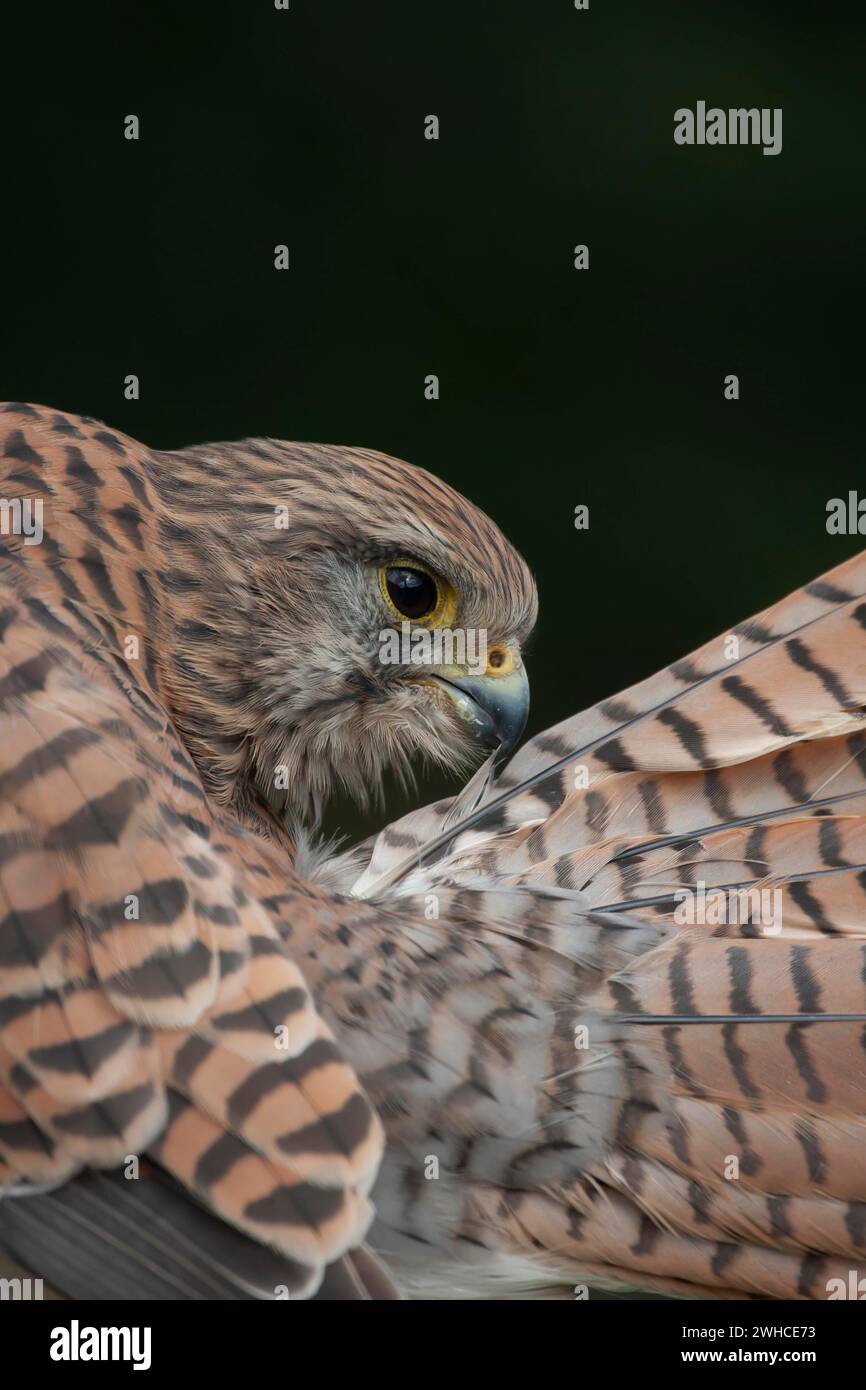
(411, 257)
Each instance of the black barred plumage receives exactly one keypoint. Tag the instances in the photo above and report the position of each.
(715, 1041)
(520, 1002)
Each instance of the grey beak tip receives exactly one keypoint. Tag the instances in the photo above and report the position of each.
(500, 709)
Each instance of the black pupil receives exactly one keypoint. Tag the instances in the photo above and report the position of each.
(413, 593)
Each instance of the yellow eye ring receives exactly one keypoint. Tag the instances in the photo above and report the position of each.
(412, 594)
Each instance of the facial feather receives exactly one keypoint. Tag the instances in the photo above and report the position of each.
(251, 578)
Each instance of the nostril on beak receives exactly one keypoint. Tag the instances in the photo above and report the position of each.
(501, 661)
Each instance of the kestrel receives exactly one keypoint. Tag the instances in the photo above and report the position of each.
(599, 1018)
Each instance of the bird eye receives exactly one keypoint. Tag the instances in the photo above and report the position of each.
(412, 592)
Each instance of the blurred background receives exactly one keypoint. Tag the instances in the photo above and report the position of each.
(410, 257)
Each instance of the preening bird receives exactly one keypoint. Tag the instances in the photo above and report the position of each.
(492, 1053)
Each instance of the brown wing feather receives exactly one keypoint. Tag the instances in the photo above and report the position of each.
(147, 1000)
(723, 1158)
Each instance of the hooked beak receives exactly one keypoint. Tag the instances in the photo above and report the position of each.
(494, 706)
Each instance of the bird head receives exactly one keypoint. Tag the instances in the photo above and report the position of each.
(356, 615)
